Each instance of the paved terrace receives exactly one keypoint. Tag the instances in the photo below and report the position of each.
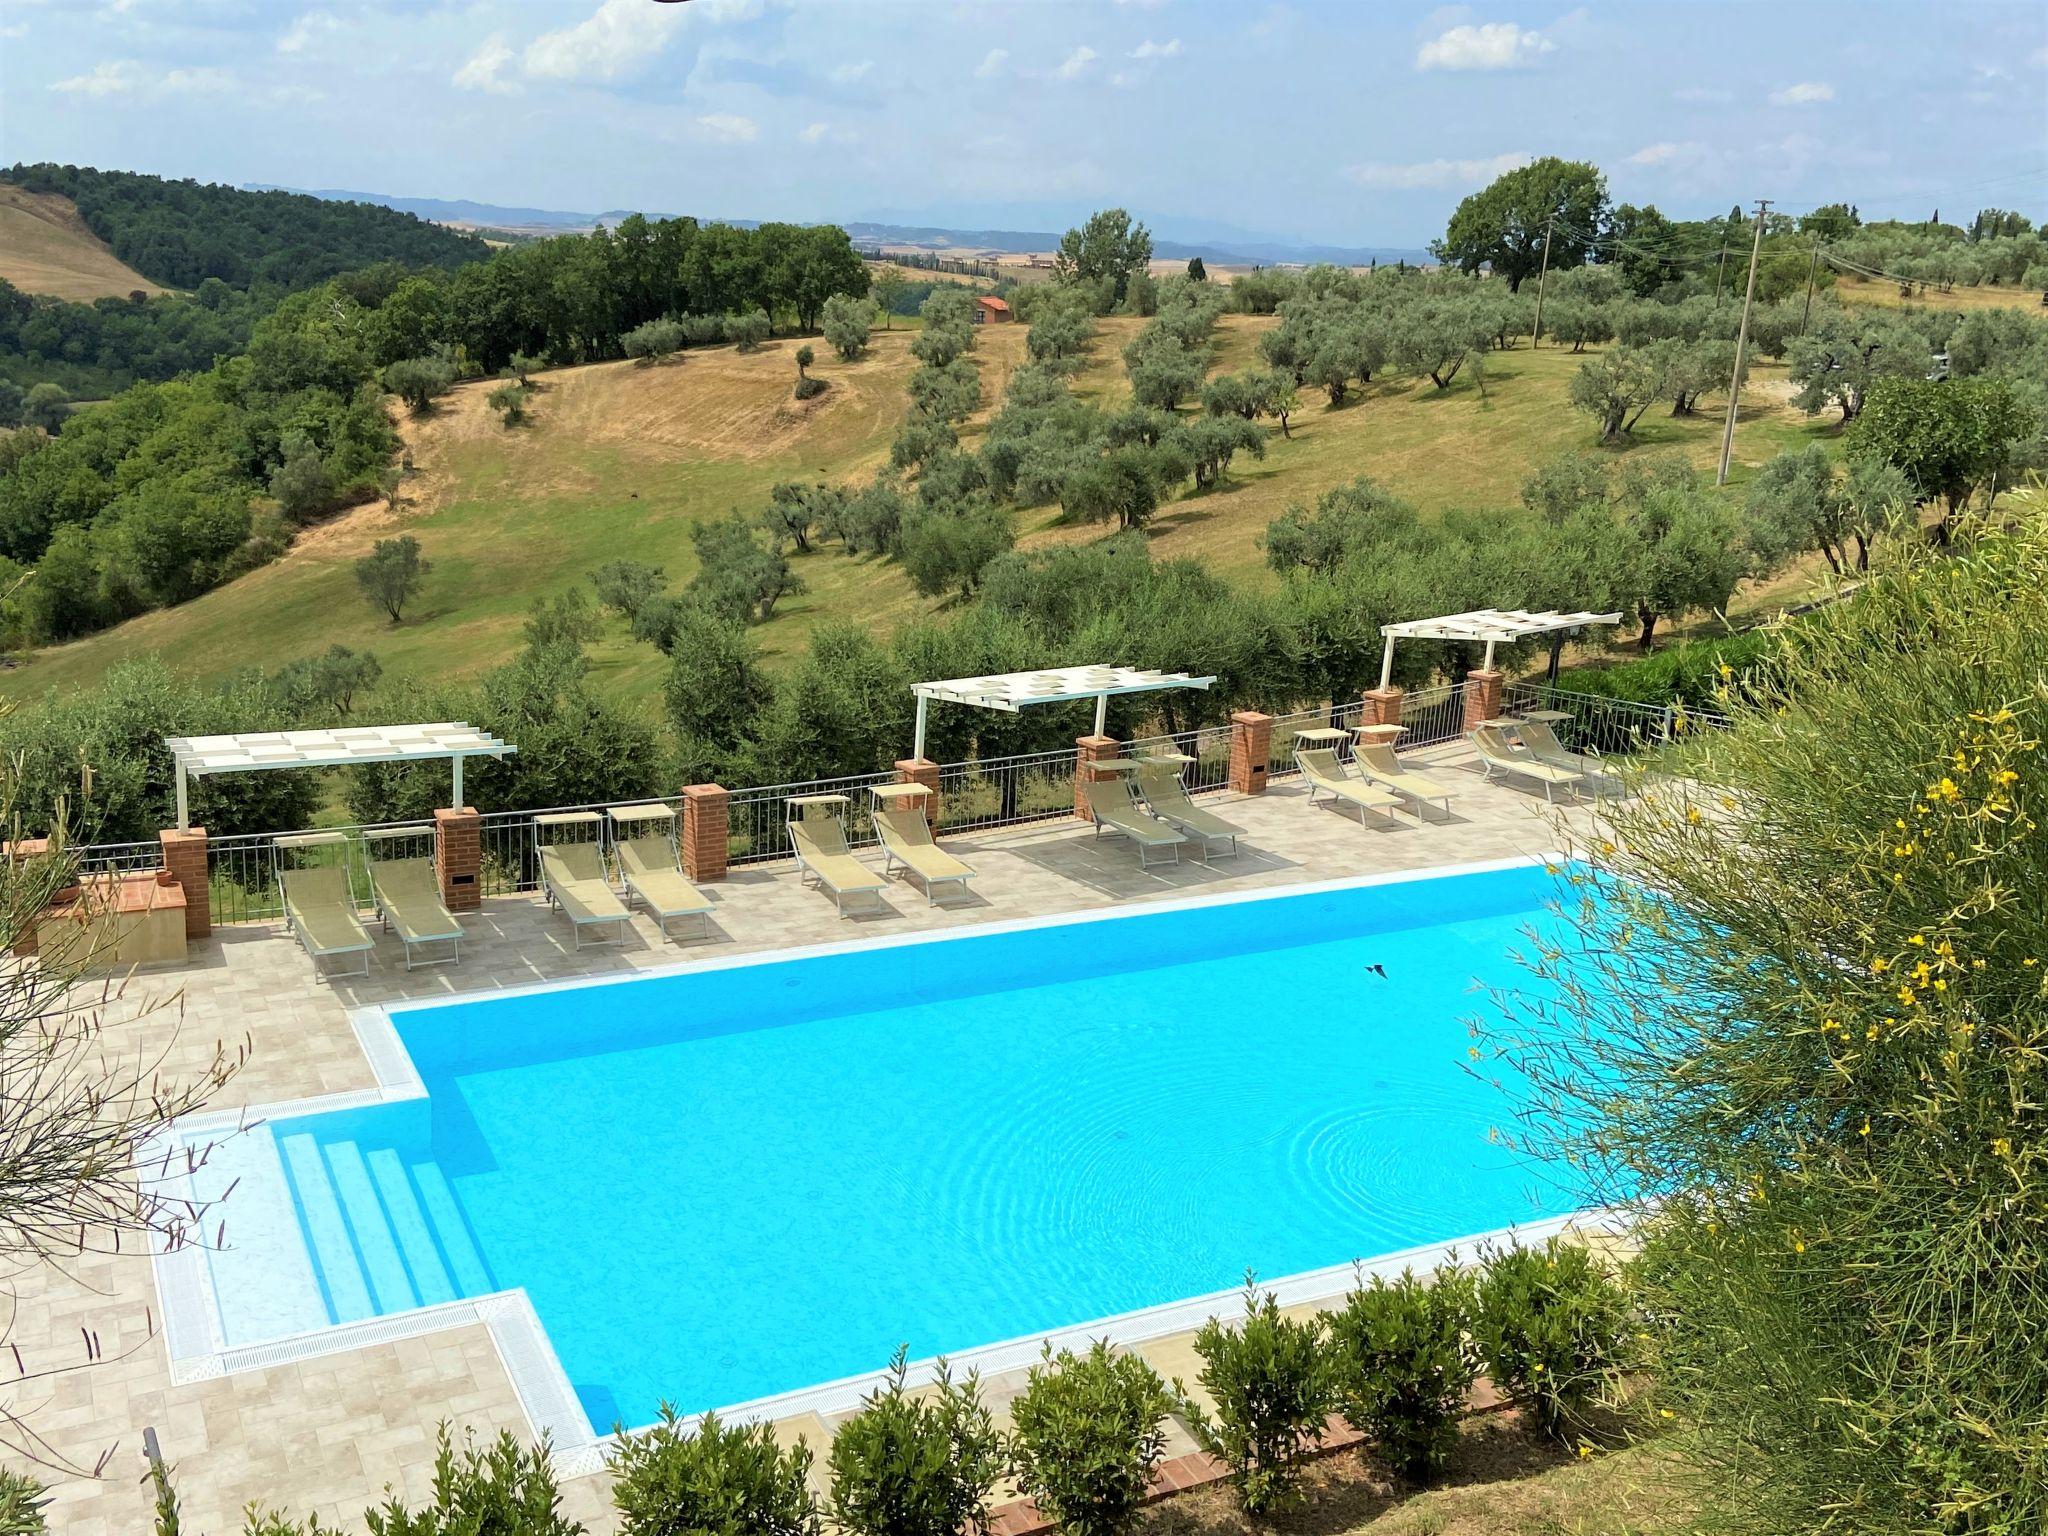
(328, 1435)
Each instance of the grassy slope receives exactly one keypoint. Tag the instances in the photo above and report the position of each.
(620, 460)
(45, 248)
(1886, 295)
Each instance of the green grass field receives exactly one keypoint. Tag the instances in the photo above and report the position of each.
(621, 460)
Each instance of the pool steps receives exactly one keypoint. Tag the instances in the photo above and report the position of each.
(385, 1235)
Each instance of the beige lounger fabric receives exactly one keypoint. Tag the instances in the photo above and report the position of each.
(1164, 792)
(1377, 762)
(1498, 754)
(648, 865)
(408, 897)
(1326, 775)
(322, 911)
(1112, 805)
(573, 874)
(1544, 746)
(907, 840)
(821, 853)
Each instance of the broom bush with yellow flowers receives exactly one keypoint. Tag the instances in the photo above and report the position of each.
(1800, 1024)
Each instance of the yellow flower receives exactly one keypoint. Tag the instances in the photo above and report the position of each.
(1866, 1125)
(1918, 938)
(1692, 815)
(2007, 776)
(1940, 985)
(1585, 1450)
(1906, 995)
(1726, 671)
(1879, 966)
(2001, 1147)
(1666, 1413)
(1799, 1245)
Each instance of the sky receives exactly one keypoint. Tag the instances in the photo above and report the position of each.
(1359, 123)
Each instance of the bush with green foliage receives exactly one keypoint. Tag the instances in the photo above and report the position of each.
(737, 574)
(847, 322)
(392, 573)
(1553, 1330)
(1404, 1364)
(509, 400)
(1692, 675)
(1086, 1434)
(748, 330)
(1274, 1387)
(916, 1464)
(654, 340)
(1801, 1035)
(22, 1501)
(712, 1480)
(419, 381)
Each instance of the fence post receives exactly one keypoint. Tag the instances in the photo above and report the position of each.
(1482, 697)
(1088, 751)
(184, 854)
(922, 770)
(1382, 706)
(1251, 751)
(459, 857)
(707, 831)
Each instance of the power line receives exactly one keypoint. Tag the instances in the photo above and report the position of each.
(1763, 206)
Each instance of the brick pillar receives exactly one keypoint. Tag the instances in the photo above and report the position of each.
(185, 861)
(1251, 751)
(1089, 750)
(922, 770)
(1482, 698)
(707, 831)
(459, 858)
(1382, 706)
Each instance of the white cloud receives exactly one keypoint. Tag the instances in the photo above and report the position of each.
(817, 133)
(729, 127)
(15, 29)
(485, 70)
(992, 64)
(1151, 50)
(125, 77)
(1385, 177)
(1660, 154)
(846, 74)
(1805, 94)
(1075, 64)
(616, 36)
(1492, 45)
(306, 31)
(116, 77)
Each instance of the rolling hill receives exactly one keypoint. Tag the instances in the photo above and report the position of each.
(45, 248)
(622, 460)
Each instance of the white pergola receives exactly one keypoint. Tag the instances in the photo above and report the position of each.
(457, 740)
(1491, 625)
(1011, 692)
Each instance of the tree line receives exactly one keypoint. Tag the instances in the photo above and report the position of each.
(180, 233)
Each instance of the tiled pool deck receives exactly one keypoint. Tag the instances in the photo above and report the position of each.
(327, 1435)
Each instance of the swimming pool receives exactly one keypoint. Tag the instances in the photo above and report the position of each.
(743, 1178)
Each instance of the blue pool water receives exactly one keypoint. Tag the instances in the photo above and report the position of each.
(727, 1183)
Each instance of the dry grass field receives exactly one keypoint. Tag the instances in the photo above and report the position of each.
(622, 460)
(45, 248)
(1857, 290)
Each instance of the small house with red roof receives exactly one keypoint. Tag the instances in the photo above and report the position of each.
(990, 310)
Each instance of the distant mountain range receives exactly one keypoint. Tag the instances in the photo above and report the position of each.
(1235, 248)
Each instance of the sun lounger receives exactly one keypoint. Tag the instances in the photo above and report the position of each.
(320, 906)
(643, 839)
(1160, 783)
(822, 856)
(407, 895)
(907, 839)
(1327, 776)
(1376, 762)
(1499, 755)
(1542, 744)
(572, 877)
(1111, 804)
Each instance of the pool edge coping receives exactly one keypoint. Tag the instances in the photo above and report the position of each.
(190, 1310)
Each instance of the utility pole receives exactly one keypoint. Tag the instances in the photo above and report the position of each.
(1719, 270)
(1742, 343)
(1536, 330)
(1812, 267)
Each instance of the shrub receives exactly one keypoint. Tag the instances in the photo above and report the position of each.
(703, 330)
(417, 380)
(1087, 1432)
(1404, 1366)
(1551, 1328)
(846, 322)
(1271, 1382)
(21, 1505)
(652, 342)
(509, 401)
(748, 331)
(916, 1465)
(718, 1480)
(505, 1490)
(1690, 673)
(808, 388)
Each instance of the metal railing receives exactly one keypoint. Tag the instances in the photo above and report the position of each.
(1612, 727)
(973, 795)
